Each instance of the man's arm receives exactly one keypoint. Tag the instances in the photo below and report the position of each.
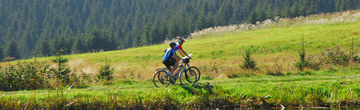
(183, 51)
(176, 57)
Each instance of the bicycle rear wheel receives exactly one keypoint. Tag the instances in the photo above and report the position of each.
(161, 79)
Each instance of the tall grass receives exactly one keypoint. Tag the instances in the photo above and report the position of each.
(245, 93)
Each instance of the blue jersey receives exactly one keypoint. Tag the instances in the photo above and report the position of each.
(168, 54)
(178, 46)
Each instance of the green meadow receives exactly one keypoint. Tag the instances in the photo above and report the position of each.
(218, 53)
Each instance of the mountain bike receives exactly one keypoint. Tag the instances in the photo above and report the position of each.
(186, 74)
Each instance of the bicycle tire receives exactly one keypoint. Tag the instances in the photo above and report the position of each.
(159, 79)
(185, 76)
(198, 72)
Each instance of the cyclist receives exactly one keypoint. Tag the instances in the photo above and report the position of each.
(170, 58)
(179, 47)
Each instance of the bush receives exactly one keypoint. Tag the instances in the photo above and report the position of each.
(248, 62)
(213, 70)
(24, 76)
(310, 61)
(80, 81)
(35, 75)
(313, 62)
(335, 56)
(105, 72)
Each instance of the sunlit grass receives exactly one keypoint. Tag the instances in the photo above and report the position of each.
(218, 53)
(275, 42)
(266, 91)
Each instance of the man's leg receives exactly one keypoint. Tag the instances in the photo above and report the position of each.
(174, 68)
(176, 65)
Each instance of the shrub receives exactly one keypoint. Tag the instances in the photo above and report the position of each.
(25, 75)
(313, 62)
(80, 81)
(105, 72)
(335, 56)
(35, 75)
(248, 62)
(310, 61)
(213, 70)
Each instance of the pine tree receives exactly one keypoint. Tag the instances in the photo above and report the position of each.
(249, 62)
(62, 71)
(1, 53)
(43, 49)
(13, 50)
(79, 46)
(201, 21)
(252, 17)
(302, 54)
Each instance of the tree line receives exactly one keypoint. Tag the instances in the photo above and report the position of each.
(37, 27)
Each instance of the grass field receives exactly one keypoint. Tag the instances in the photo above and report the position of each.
(277, 42)
(332, 90)
(218, 53)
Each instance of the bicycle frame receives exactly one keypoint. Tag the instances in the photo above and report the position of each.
(182, 67)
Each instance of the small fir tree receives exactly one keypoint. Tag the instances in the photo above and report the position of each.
(13, 50)
(248, 62)
(302, 63)
(62, 71)
(106, 71)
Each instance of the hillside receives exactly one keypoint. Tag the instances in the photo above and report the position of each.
(40, 27)
(224, 84)
(217, 51)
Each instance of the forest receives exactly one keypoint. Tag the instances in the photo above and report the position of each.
(36, 28)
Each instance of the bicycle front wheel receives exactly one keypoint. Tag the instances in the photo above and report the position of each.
(187, 76)
(161, 79)
(196, 71)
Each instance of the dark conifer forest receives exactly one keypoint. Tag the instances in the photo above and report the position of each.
(38, 28)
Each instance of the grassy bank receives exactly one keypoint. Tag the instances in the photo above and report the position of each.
(316, 90)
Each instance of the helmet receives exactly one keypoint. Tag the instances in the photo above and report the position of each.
(180, 39)
(172, 44)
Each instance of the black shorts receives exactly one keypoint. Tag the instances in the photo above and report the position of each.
(169, 63)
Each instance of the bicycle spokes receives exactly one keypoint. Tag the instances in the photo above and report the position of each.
(190, 76)
(161, 79)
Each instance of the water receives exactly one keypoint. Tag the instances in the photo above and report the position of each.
(315, 108)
